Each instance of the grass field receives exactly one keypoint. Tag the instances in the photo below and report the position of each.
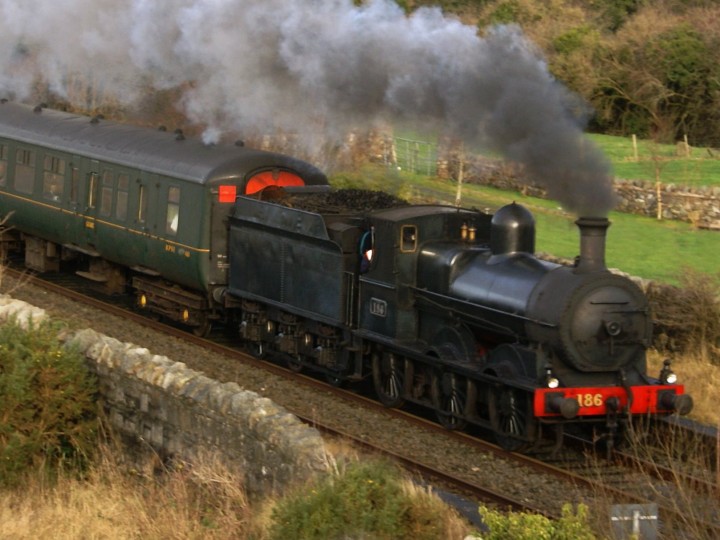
(665, 162)
(641, 246)
(651, 161)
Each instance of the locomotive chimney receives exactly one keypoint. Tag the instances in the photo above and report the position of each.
(593, 231)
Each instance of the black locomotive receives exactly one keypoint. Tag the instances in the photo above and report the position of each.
(453, 311)
(440, 306)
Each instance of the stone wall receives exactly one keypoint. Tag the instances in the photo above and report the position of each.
(182, 412)
(179, 411)
(697, 205)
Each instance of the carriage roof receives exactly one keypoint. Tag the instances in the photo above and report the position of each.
(148, 149)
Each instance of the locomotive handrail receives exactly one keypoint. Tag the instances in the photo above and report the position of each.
(424, 293)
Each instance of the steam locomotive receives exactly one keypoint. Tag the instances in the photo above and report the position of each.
(440, 306)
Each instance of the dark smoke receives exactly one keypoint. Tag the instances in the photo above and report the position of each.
(319, 68)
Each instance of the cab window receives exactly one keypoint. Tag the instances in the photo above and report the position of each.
(173, 210)
(408, 238)
(367, 248)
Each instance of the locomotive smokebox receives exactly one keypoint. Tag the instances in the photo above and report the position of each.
(593, 231)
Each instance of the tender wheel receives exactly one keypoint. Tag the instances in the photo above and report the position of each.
(449, 399)
(511, 418)
(294, 364)
(334, 379)
(203, 330)
(257, 349)
(389, 378)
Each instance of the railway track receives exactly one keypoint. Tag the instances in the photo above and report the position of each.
(589, 478)
(645, 474)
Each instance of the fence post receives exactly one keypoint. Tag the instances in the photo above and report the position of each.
(635, 147)
(461, 158)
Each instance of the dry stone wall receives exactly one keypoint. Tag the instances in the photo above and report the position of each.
(179, 411)
(697, 205)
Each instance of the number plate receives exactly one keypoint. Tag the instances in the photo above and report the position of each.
(378, 307)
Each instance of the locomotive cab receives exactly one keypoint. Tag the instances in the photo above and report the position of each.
(387, 289)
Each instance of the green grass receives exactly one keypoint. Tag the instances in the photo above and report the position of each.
(665, 162)
(641, 246)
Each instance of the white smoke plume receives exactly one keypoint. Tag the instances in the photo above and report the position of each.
(319, 68)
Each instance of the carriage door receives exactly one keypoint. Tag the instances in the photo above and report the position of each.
(92, 195)
(74, 202)
(145, 206)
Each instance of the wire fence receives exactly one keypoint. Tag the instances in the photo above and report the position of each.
(419, 157)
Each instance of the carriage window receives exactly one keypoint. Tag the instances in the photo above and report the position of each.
(173, 210)
(24, 170)
(142, 204)
(3, 164)
(92, 181)
(53, 177)
(74, 184)
(408, 238)
(106, 193)
(121, 200)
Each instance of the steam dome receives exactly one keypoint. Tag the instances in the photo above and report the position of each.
(512, 230)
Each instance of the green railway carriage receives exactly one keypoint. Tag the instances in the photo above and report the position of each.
(130, 206)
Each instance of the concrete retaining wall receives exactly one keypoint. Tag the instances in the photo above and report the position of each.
(179, 411)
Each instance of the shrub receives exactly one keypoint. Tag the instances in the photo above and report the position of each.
(526, 526)
(47, 406)
(368, 500)
(687, 318)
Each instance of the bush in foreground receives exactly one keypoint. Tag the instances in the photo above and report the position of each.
(47, 404)
(524, 526)
(369, 500)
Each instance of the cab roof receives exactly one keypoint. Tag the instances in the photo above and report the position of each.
(405, 213)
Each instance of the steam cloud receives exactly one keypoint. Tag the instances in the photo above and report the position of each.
(317, 67)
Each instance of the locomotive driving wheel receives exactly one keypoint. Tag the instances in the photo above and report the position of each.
(449, 399)
(511, 418)
(389, 378)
